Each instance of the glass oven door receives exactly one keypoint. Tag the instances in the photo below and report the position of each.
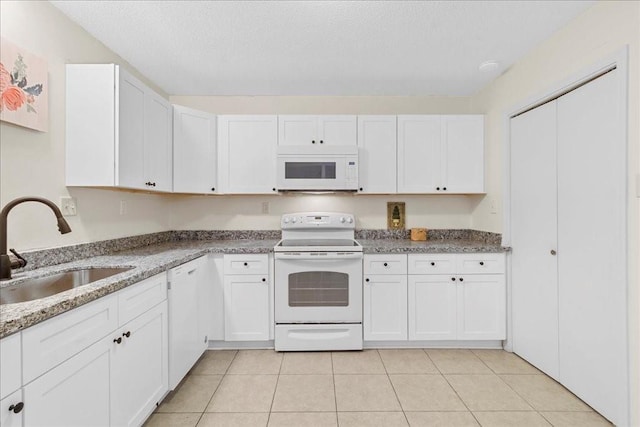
(318, 287)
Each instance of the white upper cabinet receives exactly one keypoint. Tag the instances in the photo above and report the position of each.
(441, 154)
(118, 130)
(377, 154)
(317, 130)
(195, 156)
(248, 153)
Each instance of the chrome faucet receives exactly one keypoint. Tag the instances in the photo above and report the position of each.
(5, 261)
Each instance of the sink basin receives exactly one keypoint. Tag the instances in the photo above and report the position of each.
(46, 286)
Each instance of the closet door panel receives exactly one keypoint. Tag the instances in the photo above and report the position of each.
(591, 246)
(533, 236)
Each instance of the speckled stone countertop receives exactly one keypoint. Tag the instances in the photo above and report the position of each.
(157, 254)
(146, 262)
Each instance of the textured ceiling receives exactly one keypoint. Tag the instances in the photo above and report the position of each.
(320, 47)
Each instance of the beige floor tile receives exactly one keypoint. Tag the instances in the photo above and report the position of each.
(304, 393)
(244, 393)
(510, 419)
(503, 362)
(486, 393)
(407, 361)
(357, 362)
(256, 362)
(192, 395)
(426, 393)
(307, 363)
(576, 419)
(441, 419)
(214, 362)
(544, 394)
(234, 420)
(457, 362)
(365, 393)
(372, 419)
(173, 420)
(299, 419)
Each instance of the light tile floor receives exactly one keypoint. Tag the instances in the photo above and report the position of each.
(384, 388)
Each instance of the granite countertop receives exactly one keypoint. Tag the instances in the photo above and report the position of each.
(152, 259)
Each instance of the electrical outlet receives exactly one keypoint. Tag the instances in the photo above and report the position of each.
(123, 207)
(492, 207)
(265, 207)
(68, 206)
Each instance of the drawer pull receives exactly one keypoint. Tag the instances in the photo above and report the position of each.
(481, 262)
(366, 280)
(453, 279)
(17, 408)
(433, 263)
(127, 334)
(246, 264)
(117, 340)
(461, 279)
(386, 265)
(264, 280)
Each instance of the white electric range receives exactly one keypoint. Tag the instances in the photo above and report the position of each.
(318, 283)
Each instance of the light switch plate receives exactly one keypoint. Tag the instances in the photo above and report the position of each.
(68, 206)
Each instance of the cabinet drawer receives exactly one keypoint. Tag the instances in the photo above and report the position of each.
(56, 340)
(138, 298)
(480, 263)
(432, 264)
(246, 264)
(385, 264)
(10, 365)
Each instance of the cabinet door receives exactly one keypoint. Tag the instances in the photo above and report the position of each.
(248, 153)
(377, 154)
(11, 364)
(385, 307)
(432, 307)
(419, 154)
(298, 130)
(463, 168)
(337, 130)
(8, 418)
(246, 307)
(158, 143)
(75, 393)
(186, 344)
(534, 234)
(130, 106)
(139, 375)
(195, 157)
(481, 307)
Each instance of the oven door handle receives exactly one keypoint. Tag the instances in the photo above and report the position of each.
(311, 256)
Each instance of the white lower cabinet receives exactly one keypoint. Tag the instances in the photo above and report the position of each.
(434, 297)
(432, 308)
(11, 410)
(139, 375)
(246, 307)
(385, 307)
(75, 393)
(111, 377)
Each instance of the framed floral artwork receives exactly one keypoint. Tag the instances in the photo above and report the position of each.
(24, 89)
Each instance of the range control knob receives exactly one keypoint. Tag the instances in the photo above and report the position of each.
(349, 220)
(294, 220)
(285, 220)
(342, 219)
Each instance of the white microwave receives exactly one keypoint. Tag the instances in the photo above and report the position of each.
(324, 168)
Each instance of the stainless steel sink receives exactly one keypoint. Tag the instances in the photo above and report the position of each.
(46, 286)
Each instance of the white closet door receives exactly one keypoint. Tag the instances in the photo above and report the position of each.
(533, 235)
(592, 246)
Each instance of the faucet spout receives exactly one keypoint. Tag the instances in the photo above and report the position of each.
(5, 261)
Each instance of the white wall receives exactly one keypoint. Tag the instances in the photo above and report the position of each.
(599, 32)
(32, 163)
(243, 212)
